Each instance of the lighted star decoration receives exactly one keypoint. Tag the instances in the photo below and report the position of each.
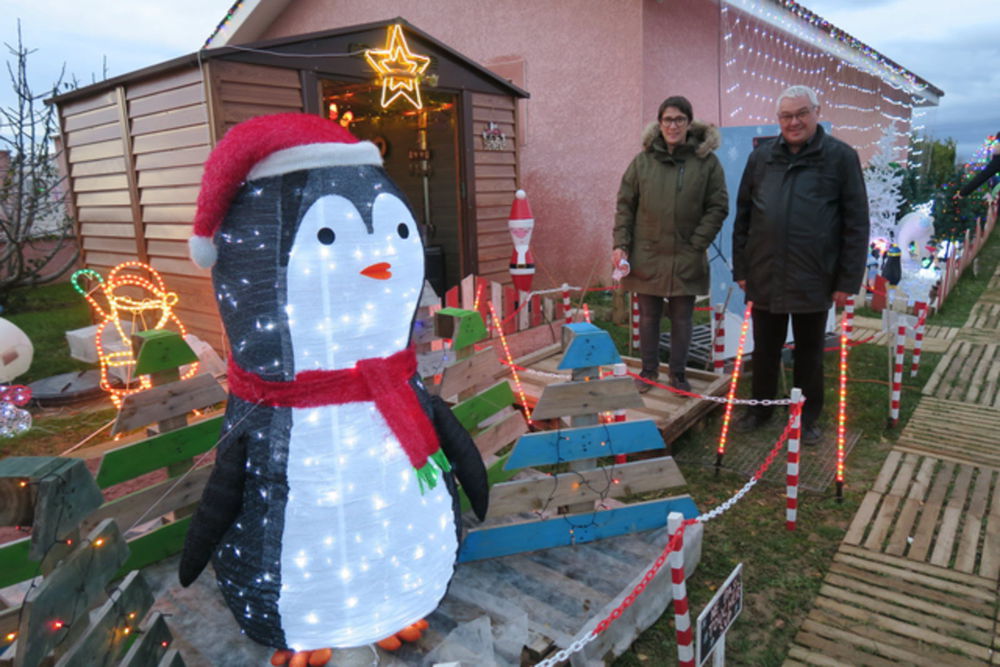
(399, 68)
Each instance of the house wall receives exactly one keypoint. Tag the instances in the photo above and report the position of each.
(582, 64)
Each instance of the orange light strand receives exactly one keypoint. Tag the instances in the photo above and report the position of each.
(510, 363)
(737, 364)
(845, 330)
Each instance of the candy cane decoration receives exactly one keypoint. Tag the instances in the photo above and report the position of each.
(918, 336)
(897, 375)
(565, 304)
(635, 321)
(719, 347)
(792, 478)
(682, 618)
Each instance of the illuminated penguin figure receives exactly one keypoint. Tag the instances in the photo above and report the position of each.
(331, 516)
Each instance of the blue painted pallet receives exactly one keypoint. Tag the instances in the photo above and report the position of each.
(572, 529)
(589, 346)
(584, 442)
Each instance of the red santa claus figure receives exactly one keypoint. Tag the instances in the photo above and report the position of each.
(521, 223)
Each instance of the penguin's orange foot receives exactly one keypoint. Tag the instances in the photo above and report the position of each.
(410, 633)
(316, 658)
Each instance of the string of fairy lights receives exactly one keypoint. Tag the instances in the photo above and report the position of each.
(769, 46)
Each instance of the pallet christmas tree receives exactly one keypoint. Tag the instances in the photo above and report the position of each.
(557, 508)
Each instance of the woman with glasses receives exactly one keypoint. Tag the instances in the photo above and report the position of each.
(671, 204)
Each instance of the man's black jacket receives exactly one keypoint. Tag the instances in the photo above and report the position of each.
(801, 228)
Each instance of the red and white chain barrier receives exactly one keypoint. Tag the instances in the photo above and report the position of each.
(918, 336)
(635, 321)
(719, 340)
(674, 550)
(897, 375)
(792, 477)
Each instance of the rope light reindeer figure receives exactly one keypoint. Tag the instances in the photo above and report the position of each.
(153, 309)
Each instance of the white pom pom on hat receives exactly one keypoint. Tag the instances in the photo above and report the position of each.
(267, 146)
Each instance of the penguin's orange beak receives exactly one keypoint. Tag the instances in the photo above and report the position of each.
(379, 271)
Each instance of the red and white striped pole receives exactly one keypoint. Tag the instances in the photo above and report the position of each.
(918, 336)
(792, 478)
(620, 370)
(565, 304)
(719, 346)
(897, 375)
(682, 618)
(635, 321)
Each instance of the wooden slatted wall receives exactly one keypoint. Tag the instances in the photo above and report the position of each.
(135, 158)
(171, 139)
(241, 91)
(496, 180)
(95, 159)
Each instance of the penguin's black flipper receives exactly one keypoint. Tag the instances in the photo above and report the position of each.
(458, 446)
(220, 505)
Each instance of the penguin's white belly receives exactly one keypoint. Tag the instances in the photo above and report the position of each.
(363, 553)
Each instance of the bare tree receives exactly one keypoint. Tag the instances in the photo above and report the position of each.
(37, 240)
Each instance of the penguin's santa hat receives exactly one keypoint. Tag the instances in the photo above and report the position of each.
(268, 146)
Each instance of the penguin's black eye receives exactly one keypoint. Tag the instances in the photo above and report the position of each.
(326, 236)
(403, 230)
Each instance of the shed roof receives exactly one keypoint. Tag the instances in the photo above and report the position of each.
(207, 54)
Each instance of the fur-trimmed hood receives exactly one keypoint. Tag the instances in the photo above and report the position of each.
(702, 137)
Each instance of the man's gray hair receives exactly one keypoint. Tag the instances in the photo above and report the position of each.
(798, 91)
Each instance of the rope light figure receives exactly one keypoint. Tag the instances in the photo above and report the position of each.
(152, 310)
(733, 383)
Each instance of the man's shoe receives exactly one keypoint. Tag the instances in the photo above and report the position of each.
(679, 381)
(749, 421)
(812, 435)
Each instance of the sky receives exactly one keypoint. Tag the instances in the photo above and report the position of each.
(954, 45)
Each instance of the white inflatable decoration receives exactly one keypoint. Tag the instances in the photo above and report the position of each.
(16, 351)
(916, 229)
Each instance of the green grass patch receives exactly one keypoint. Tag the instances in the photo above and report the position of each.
(45, 314)
(969, 288)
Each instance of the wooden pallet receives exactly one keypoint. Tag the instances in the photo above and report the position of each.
(952, 430)
(984, 316)
(968, 372)
(992, 292)
(932, 510)
(877, 609)
(672, 413)
(869, 330)
(533, 604)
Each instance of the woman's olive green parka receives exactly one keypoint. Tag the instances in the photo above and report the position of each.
(670, 207)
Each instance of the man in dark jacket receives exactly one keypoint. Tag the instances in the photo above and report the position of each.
(800, 239)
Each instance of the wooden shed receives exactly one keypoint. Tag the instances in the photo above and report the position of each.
(136, 145)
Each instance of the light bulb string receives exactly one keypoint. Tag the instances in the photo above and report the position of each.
(180, 479)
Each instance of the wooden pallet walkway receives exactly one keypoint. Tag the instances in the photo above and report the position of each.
(934, 511)
(968, 372)
(869, 330)
(953, 430)
(992, 292)
(672, 413)
(878, 609)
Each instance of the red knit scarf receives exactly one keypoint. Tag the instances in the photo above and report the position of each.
(384, 381)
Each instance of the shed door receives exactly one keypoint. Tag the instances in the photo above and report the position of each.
(421, 154)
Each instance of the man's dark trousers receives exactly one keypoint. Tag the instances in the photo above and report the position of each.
(809, 331)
